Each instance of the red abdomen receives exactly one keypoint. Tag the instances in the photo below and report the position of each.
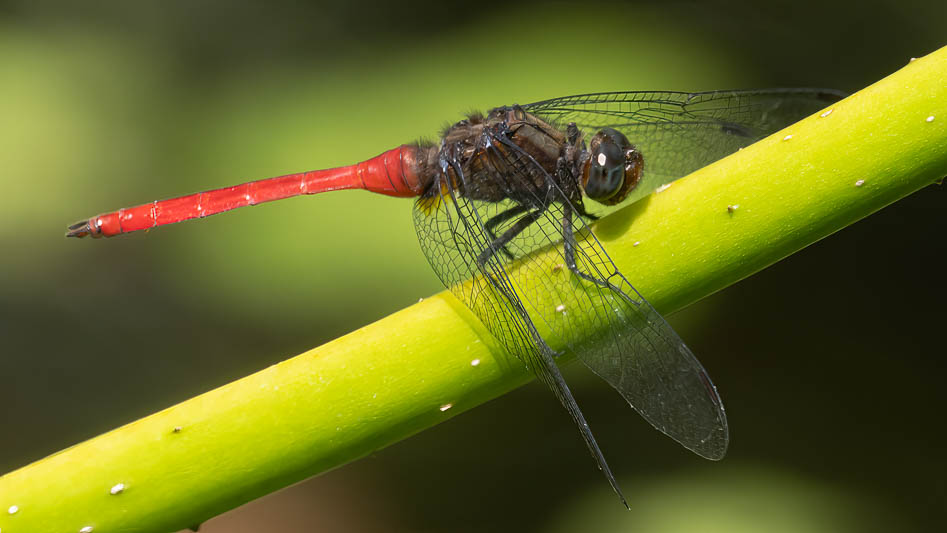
(393, 173)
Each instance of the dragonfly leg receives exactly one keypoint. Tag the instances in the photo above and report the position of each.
(570, 244)
(499, 243)
(572, 133)
(501, 218)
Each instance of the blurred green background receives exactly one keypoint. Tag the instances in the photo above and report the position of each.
(830, 363)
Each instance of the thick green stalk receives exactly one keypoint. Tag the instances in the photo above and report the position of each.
(422, 365)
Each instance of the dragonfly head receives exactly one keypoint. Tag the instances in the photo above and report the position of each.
(613, 167)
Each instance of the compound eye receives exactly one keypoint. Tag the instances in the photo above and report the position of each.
(613, 168)
(606, 171)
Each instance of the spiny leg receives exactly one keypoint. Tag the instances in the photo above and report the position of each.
(499, 243)
(570, 244)
(501, 218)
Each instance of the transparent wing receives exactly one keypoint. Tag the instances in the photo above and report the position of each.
(598, 315)
(677, 132)
(455, 237)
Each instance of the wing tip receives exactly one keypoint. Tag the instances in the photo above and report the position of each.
(714, 447)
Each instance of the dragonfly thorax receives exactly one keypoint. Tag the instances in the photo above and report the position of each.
(508, 154)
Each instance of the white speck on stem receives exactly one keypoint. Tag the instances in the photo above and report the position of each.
(177, 429)
(913, 59)
(420, 299)
(445, 407)
(930, 118)
(118, 488)
(662, 188)
(475, 362)
(826, 113)
(86, 529)
(859, 183)
(786, 138)
(561, 308)
(636, 243)
(13, 509)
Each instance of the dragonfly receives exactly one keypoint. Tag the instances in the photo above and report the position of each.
(505, 193)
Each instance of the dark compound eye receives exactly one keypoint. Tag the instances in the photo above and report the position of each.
(613, 168)
(606, 171)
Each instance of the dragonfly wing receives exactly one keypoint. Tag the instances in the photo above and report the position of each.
(454, 232)
(677, 132)
(609, 325)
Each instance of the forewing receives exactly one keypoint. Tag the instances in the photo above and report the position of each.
(678, 133)
(610, 327)
(453, 234)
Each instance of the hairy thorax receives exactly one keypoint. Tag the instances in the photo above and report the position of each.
(492, 171)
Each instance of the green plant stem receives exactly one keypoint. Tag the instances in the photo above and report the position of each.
(429, 362)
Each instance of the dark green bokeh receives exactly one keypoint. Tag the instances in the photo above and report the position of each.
(830, 362)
